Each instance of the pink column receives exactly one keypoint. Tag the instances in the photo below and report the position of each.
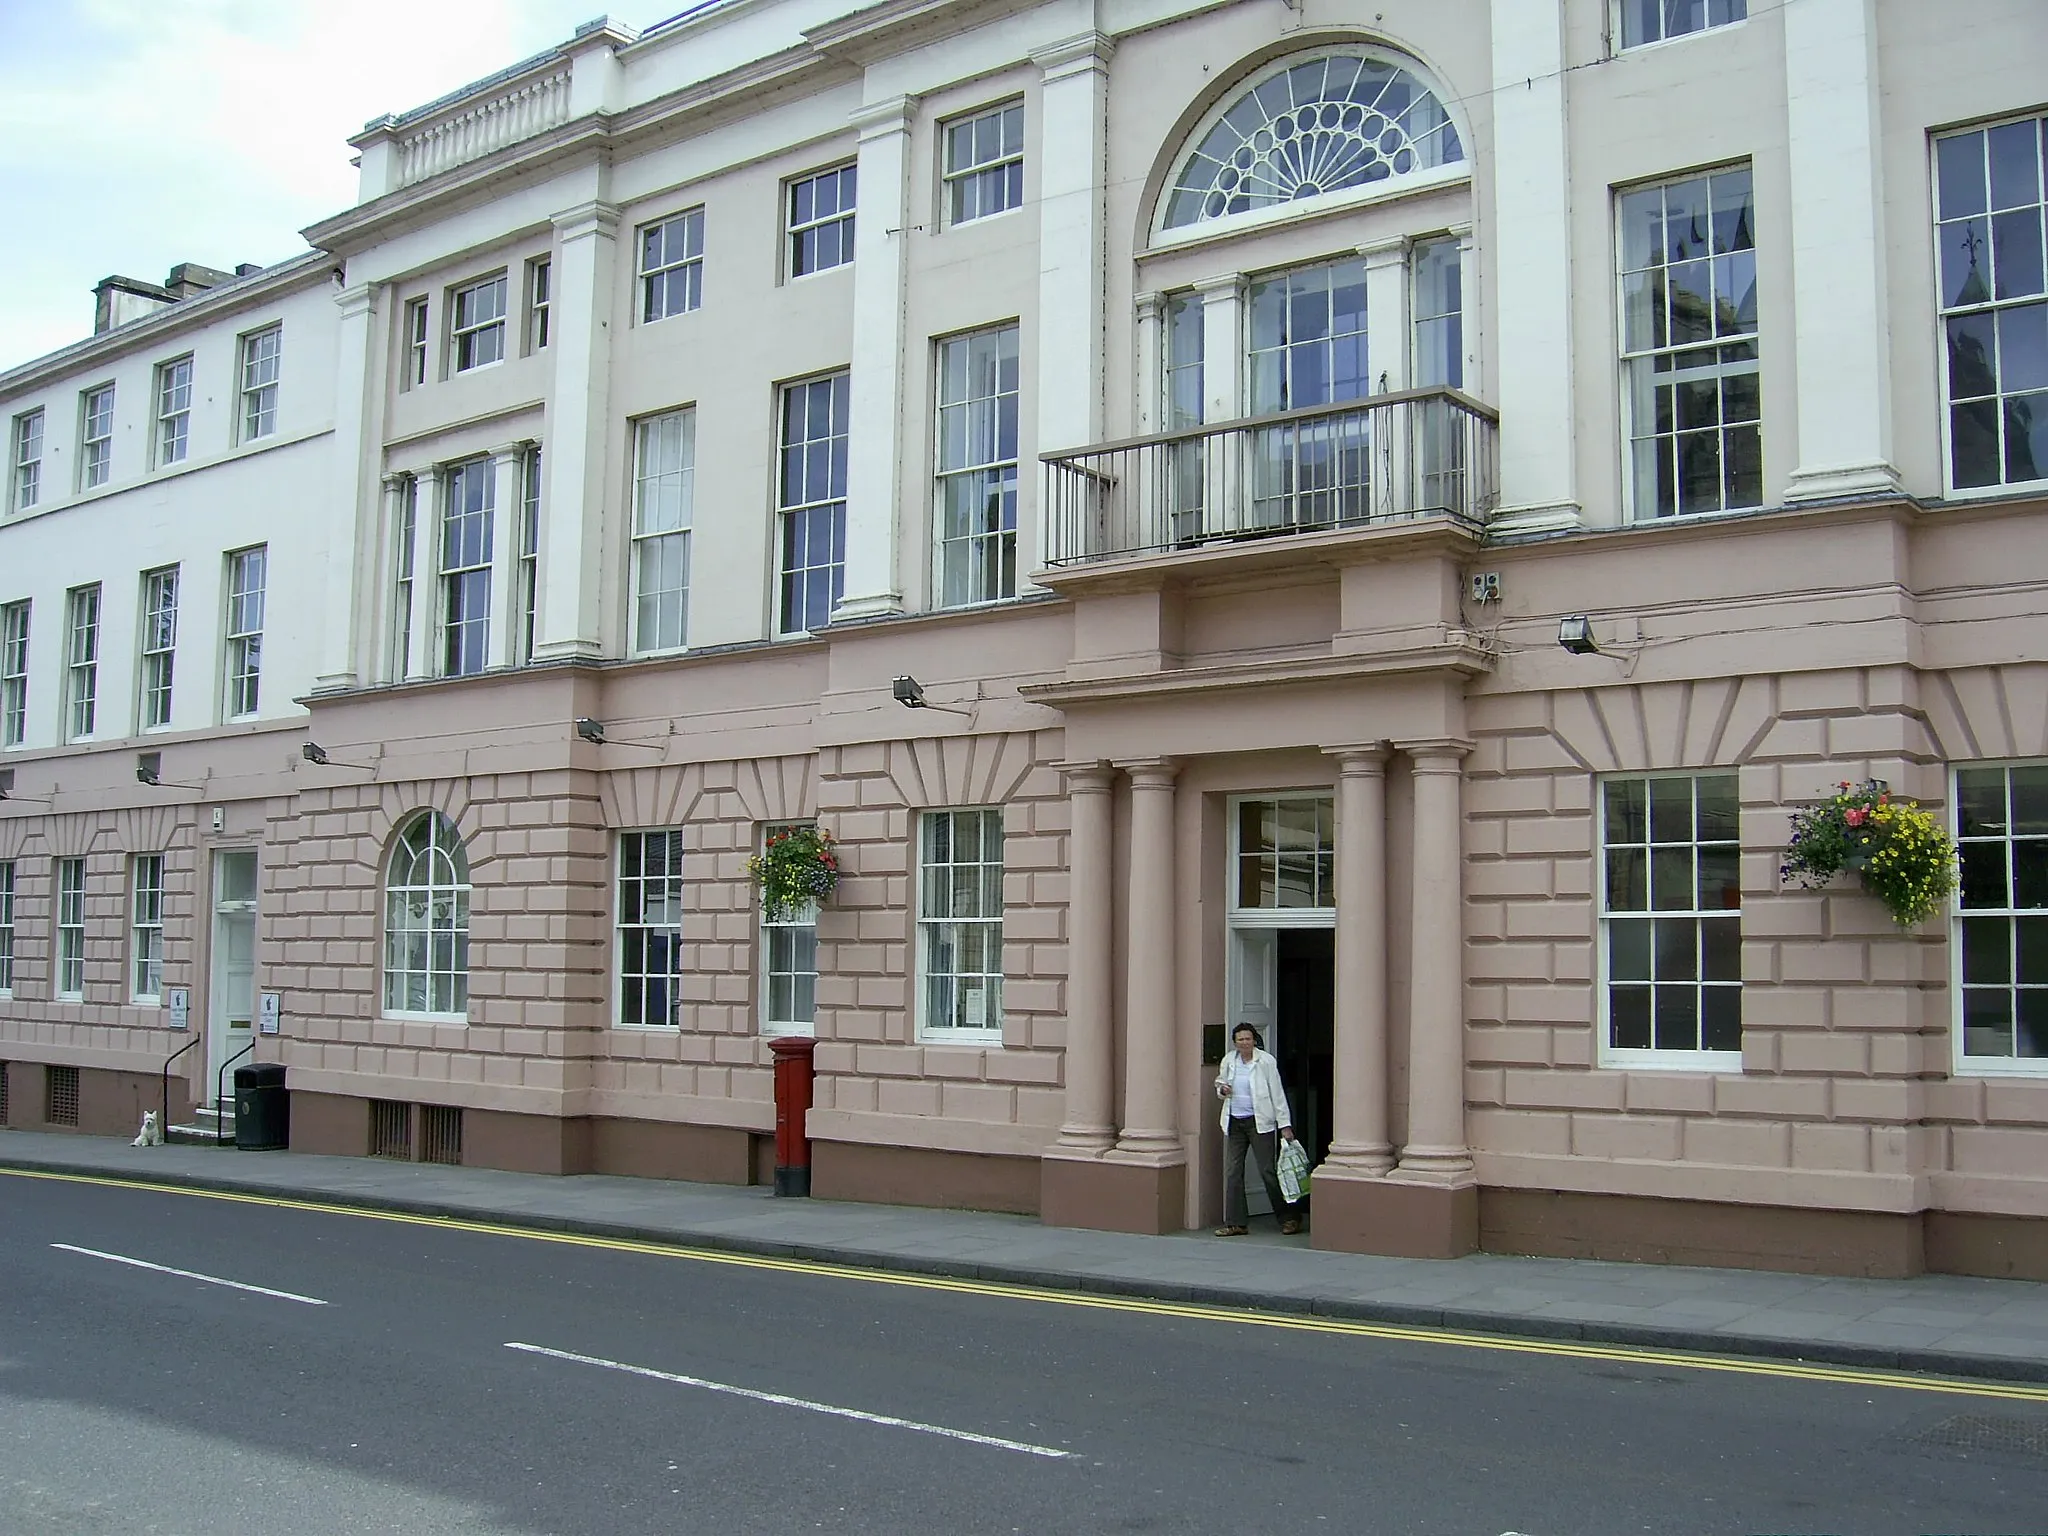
(1151, 1127)
(1359, 1125)
(1436, 1150)
(1091, 1123)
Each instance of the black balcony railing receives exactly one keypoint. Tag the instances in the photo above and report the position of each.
(1389, 458)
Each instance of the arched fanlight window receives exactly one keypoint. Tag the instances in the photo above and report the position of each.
(426, 920)
(1312, 126)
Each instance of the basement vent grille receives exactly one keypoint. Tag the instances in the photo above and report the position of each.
(1988, 1432)
(391, 1130)
(63, 1105)
(440, 1134)
(3, 1093)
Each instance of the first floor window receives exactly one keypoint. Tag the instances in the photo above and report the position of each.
(159, 645)
(960, 924)
(27, 460)
(977, 431)
(821, 221)
(672, 266)
(539, 282)
(811, 489)
(426, 920)
(479, 326)
(1991, 194)
(403, 555)
(70, 928)
(789, 965)
(650, 928)
(664, 476)
(985, 164)
(1671, 918)
(529, 551)
(148, 907)
(173, 411)
(415, 344)
(247, 573)
(14, 673)
(466, 534)
(1652, 21)
(1689, 346)
(2002, 919)
(6, 927)
(1308, 346)
(82, 662)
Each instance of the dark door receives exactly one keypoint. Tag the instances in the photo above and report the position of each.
(1305, 1008)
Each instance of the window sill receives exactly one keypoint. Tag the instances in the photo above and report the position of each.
(971, 1037)
(789, 1031)
(397, 1016)
(648, 1029)
(983, 218)
(1726, 1063)
(1981, 1067)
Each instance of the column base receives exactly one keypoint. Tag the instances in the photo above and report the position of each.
(1844, 482)
(877, 605)
(1392, 1217)
(1107, 1194)
(1535, 522)
(335, 682)
(568, 650)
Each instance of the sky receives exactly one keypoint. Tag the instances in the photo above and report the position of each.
(136, 134)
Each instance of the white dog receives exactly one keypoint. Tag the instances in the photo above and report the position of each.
(152, 1134)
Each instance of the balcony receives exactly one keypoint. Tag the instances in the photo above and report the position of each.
(1421, 453)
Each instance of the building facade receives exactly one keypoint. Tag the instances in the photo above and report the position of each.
(1203, 418)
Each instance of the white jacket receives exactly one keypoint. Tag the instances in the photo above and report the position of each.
(1269, 1099)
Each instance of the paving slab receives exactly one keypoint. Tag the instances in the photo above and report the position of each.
(1951, 1324)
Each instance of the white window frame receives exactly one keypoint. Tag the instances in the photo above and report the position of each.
(1733, 13)
(1322, 856)
(418, 342)
(1990, 310)
(802, 498)
(526, 590)
(929, 926)
(658, 265)
(262, 360)
(1607, 1054)
(403, 576)
(969, 415)
(70, 968)
(14, 630)
(25, 462)
(540, 277)
(1964, 1064)
(463, 552)
(95, 437)
(843, 176)
(664, 495)
(962, 181)
(7, 883)
(442, 846)
(174, 411)
(146, 914)
(81, 662)
(242, 656)
(156, 649)
(1640, 356)
(645, 980)
(476, 323)
(804, 919)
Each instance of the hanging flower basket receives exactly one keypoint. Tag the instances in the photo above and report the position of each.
(794, 869)
(1898, 850)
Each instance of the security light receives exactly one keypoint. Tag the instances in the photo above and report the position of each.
(314, 753)
(149, 768)
(909, 692)
(591, 731)
(1575, 634)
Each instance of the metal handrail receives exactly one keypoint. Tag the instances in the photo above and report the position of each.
(219, 1081)
(1456, 397)
(164, 1124)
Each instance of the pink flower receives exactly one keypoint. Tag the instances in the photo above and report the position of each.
(1856, 816)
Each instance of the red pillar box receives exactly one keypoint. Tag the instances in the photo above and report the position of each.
(793, 1074)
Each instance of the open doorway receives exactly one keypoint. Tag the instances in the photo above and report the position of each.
(1284, 984)
(231, 997)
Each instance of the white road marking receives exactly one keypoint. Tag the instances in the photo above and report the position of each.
(796, 1402)
(189, 1274)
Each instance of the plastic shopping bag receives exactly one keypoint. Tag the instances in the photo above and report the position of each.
(1292, 1167)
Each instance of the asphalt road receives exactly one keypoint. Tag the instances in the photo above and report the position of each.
(371, 1384)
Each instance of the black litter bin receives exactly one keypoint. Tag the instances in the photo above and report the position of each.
(263, 1117)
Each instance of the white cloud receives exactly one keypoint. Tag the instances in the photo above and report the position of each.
(136, 134)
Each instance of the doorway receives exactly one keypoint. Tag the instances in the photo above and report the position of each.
(231, 995)
(1284, 984)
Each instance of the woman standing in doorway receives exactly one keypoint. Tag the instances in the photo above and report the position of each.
(1255, 1119)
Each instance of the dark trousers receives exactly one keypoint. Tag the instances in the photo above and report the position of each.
(1245, 1136)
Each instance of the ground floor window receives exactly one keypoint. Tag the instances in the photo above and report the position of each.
(960, 924)
(426, 920)
(1671, 921)
(650, 929)
(789, 966)
(70, 928)
(2002, 921)
(149, 926)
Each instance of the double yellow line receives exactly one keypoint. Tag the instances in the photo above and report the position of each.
(1792, 1370)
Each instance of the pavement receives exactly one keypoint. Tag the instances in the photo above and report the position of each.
(1945, 1324)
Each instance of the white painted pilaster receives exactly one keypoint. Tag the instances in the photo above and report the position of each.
(1841, 322)
(1223, 397)
(1533, 270)
(573, 497)
(429, 505)
(1387, 332)
(395, 549)
(507, 463)
(1150, 382)
(874, 468)
(353, 552)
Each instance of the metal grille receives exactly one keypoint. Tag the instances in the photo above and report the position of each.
(3, 1093)
(63, 1089)
(1988, 1432)
(440, 1134)
(391, 1130)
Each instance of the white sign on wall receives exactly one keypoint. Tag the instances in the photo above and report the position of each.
(179, 1001)
(269, 1010)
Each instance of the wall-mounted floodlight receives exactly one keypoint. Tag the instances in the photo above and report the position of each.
(314, 753)
(7, 789)
(591, 731)
(1575, 634)
(149, 768)
(909, 692)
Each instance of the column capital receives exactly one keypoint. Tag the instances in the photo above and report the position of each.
(586, 220)
(1148, 306)
(1088, 778)
(355, 302)
(1228, 283)
(516, 450)
(1150, 772)
(1364, 758)
(880, 119)
(1439, 754)
(1386, 253)
(398, 480)
(1084, 53)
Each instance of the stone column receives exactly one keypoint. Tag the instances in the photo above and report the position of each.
(1151, 1126)
(579, 436)
(1359, 1068)
(1151, 345)
(1532, 202)
(1841, 337)
(1436, 1152)
(1386, 313)
(1223, 396)
(1090, 1127)
(353, 553)
(874, 466)
(427, 512)
(396, 541)
(508, 466)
